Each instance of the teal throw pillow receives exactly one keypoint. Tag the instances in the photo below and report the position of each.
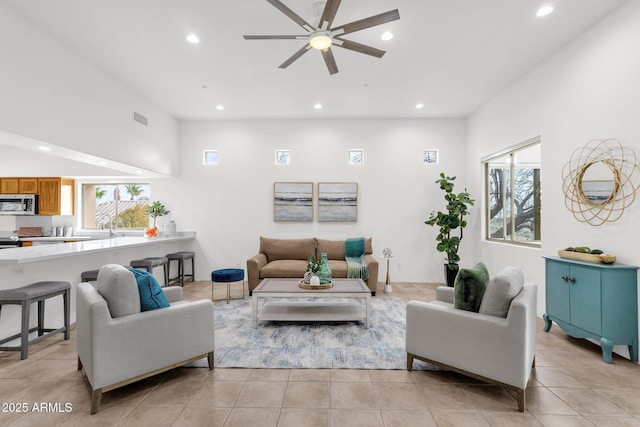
(469, 287)
(151, 295)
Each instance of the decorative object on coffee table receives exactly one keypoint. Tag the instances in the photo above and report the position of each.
(324, 272)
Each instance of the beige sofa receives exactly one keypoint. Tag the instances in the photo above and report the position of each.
(288, 258)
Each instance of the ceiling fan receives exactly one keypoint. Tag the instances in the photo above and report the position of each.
(323, 36)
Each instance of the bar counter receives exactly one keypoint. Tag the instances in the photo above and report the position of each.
(66, 261)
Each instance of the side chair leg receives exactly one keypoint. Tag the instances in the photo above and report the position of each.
(520, 397)
(210, 360)
(409, 362)
(96, 396)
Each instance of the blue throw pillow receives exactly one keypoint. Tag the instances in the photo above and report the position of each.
(151, 295)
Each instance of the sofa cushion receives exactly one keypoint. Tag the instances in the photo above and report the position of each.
(338, 268)
(469, 287)
(335, 248)
(282, 249)
(151, 295)
(501, 289)
(118, 287)
(284, 268)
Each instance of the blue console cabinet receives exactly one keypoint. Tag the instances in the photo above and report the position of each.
(589, 300)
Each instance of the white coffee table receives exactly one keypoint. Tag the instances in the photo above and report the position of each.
(348, 291)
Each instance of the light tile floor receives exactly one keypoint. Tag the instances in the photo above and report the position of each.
(570, 386)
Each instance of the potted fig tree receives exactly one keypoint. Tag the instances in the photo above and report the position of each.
(450, 224)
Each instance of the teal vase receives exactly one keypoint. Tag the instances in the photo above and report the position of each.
(324, 273)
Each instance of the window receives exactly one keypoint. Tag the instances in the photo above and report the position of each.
(512, 179)
(283, 157)
(121, 205)
(210, 157)
(356, 157)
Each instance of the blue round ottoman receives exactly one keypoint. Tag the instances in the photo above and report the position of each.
(228, 276)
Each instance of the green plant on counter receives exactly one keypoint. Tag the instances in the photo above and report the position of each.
(155, 210)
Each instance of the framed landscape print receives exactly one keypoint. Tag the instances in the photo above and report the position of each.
(293, 201)
(338, 201)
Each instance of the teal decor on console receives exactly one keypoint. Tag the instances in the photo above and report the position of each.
(324, 273)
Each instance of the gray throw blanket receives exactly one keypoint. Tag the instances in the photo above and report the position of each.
(354, 255)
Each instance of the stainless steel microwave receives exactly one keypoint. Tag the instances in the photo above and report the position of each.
(18, 204)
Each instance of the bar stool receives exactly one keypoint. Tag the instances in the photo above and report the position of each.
(227, 275)
(150, 263)
(24, 297)
(89, 276)
(181, 257)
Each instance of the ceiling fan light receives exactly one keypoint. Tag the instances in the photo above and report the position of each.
(320, 41)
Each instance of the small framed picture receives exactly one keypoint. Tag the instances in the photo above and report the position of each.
(356, 156)
(283, 157)
(430, 157)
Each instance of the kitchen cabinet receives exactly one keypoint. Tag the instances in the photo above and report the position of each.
(9, 186)
(55, 196)
(18, 185)
(597, 301)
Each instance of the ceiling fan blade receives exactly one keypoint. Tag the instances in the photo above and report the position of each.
(291, 14)
(369, 22)
(276, 37)
(329, 13)
(295, 56)
(330, 61)
(359, 47)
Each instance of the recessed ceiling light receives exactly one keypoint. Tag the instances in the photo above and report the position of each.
(318, 106)
(219, 107)
(192, 38)
(419, 105)
(102, 162)
(544, 10)
(139, 172)
(43, 148)
(387, 35)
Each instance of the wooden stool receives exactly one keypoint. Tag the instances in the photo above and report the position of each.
(36, 292)
(227, 275)
(150, 263)
(181, 257)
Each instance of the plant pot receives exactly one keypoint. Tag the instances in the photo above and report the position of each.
(450, 275)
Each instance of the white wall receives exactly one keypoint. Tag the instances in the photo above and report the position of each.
(231, 205)
(51, 94)
(590, 89)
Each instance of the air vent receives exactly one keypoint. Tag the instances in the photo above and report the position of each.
(139, 118)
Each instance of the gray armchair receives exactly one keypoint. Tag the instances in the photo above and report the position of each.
(486, 347)
(118, 344)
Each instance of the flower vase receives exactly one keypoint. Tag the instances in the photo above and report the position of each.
(324, 273)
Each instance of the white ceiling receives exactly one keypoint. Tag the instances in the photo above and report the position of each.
(450, 55)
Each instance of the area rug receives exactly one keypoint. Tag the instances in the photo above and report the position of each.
(312, 344)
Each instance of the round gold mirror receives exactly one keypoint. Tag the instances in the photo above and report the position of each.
(598, 182)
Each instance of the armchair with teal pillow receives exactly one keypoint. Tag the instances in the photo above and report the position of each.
(151, 295)
(119, 344)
